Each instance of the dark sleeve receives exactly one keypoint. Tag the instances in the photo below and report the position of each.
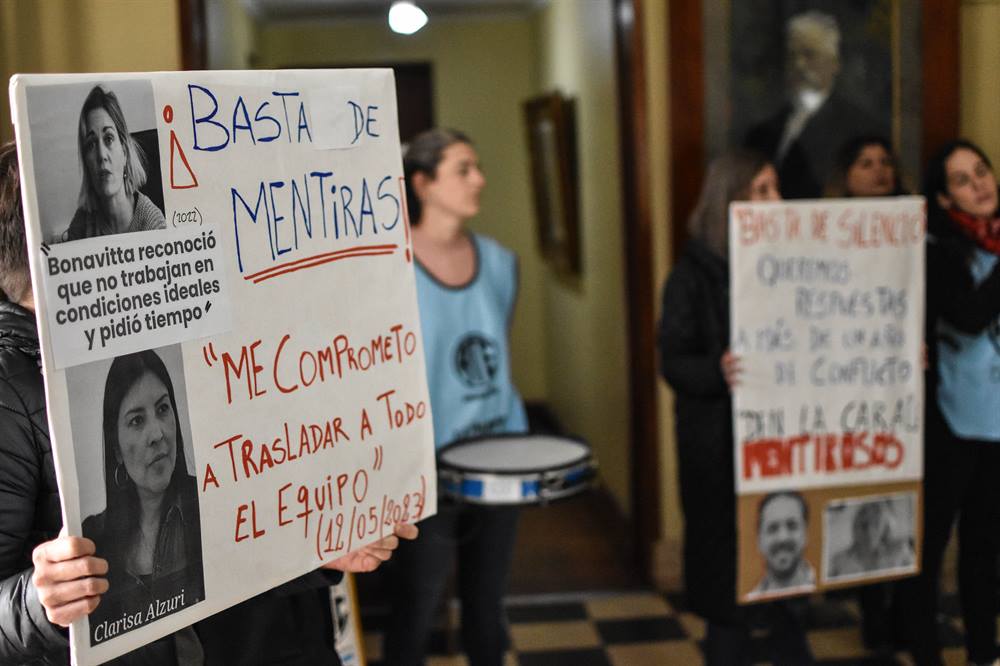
(25, 631)
(77, 228)
(953, 294)
(314, 580)
(687, 360)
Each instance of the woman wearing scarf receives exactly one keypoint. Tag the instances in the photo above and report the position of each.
(962, 427)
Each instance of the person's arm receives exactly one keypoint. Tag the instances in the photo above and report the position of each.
(25, 631)
(314, 580)
(968, 307)
(685, 362)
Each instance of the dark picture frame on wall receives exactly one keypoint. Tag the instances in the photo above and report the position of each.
(904, 52)
(550, 125)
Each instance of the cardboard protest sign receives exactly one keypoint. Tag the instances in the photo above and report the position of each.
(827, 301)
(227, 310)
(348, 636)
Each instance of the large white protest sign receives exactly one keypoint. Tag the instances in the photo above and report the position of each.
(828, 320)
(237, 355)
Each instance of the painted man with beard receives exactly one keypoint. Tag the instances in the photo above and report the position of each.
(802, 137)
(782, 522)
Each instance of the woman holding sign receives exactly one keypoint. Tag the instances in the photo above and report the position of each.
(466, 288)
(49, 579)
(865, 166)
(962, 430)
(113, 171)
(695, 360)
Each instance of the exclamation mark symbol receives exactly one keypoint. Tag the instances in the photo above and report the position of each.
(177, 152)
(406, 218)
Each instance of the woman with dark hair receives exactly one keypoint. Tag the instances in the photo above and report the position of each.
(149, 531)
(865, 166)
(113, 171)
(696, 361)
(466, 288)
(962, 425)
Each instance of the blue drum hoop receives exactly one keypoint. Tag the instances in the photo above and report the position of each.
(474, 484)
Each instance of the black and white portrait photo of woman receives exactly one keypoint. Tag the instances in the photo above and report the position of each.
(113, 171)
(870, 537)
(96, 159)
(149, 529)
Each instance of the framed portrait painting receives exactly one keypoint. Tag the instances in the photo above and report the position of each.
(797, 79)
(550, 124)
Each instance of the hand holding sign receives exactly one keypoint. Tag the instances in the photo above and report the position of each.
(68, 578)
(731, 368)
(369, 558)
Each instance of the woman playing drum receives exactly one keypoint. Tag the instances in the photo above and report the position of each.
(466, 287)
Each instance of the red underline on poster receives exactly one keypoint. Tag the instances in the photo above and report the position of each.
(319, 260)
(406, 217)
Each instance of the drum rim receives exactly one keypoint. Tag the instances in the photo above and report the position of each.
(588, 456)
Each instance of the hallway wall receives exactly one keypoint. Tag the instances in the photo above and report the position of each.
(585, 322)
(85, 36)
(483, 70)
(980, 63)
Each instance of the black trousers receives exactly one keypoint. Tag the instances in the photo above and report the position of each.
(483, 538)
(961, 479)
(785, 622)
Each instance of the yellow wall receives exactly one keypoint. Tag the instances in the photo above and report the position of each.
(667, 554)
(980, 62)
(585, 322)
(483, 70)
(231, 35)
(85, 36)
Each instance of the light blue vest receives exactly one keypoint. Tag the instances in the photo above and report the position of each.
(969, 365)
(467, 350)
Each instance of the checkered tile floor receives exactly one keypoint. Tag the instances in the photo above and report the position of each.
(647, 629)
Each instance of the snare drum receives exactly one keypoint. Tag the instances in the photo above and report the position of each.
(515, 469)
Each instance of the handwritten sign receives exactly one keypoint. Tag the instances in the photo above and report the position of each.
(227, 310)
(828, 318)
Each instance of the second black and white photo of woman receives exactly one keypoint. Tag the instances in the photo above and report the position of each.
(96, 159)
(138, 492)
(869, 537)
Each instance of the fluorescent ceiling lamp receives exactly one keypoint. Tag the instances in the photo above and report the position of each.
(406, 18)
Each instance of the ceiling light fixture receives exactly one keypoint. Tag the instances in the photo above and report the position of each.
(406, 18)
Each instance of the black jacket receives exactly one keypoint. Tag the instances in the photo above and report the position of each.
(290, 624)
(807, 163)
(694, 333)
(29, 496)
(955, 298)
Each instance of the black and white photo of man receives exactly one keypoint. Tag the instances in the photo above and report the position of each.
(782, 523)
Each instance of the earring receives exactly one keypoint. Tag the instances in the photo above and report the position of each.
(120, 471)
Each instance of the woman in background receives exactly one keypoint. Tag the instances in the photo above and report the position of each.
(113, 171)
(697, 363)
(865, 166)
(466, 288)
(962, 425)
